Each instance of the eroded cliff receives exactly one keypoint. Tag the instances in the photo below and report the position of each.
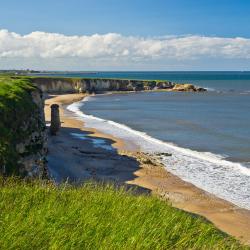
(23, 135)
(74, 85)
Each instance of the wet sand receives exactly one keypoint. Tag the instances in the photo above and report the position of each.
(78, 153)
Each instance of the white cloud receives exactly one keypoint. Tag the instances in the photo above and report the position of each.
(115, 47)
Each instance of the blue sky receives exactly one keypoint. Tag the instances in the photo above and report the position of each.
(227, 18)
(136, 18)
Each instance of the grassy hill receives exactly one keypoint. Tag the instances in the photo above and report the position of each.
(39, 215)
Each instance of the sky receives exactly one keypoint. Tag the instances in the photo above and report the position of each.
(125, 34)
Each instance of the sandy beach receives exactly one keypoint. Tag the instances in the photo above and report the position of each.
(78, 153)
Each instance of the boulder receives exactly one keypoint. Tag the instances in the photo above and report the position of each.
(184, 87)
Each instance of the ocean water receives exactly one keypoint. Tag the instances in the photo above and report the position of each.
(208, 134)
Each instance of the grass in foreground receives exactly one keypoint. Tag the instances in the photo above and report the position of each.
(42, 216)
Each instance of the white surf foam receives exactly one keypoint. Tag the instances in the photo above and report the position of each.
(246, 92)
(225, 179)
(210, 89)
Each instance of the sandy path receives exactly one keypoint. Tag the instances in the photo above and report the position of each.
(86, 157)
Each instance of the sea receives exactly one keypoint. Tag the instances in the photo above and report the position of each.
(207, 133)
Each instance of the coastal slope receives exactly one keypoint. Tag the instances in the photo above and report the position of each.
(79, 154)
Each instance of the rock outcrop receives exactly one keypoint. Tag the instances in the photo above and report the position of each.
(55, 119)
(187, 88)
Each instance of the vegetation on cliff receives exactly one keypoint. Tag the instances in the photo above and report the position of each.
(16, 109)
(38, 215)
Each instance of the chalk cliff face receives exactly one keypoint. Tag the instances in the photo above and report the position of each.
(71, 85)
(33, 149)
(23, 136)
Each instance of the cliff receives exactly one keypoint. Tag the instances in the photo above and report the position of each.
(75, 85)
(22, 129)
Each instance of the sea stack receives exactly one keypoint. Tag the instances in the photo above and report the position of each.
(55, 119)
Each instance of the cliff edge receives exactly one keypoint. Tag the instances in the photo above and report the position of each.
(23, 137)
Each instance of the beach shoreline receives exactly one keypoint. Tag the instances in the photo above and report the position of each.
(151, 175)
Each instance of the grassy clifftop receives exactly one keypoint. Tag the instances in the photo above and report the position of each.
(43, 216)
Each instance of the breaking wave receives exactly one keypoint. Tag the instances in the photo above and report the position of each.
(208, 171)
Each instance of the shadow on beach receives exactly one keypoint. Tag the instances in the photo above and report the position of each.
(76, 156)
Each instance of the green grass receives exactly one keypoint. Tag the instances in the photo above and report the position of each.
(40, 215)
